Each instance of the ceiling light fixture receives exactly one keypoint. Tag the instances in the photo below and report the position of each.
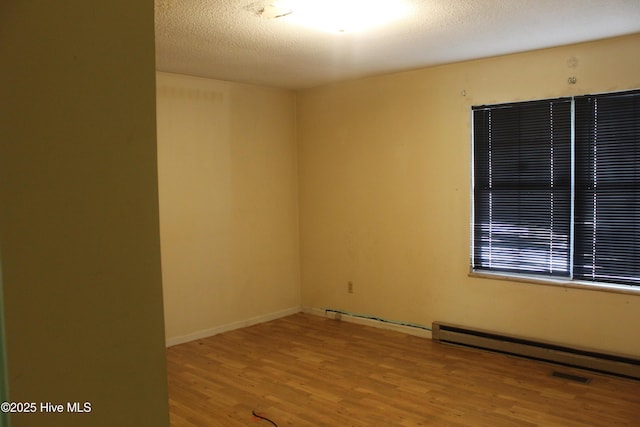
(337, 16)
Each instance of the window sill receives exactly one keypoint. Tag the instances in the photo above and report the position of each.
(574, 284)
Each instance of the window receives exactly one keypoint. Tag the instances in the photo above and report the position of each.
(556, 188)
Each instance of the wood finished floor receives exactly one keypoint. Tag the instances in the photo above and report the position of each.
(306, 370)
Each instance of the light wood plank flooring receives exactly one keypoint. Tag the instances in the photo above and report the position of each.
(306, 370)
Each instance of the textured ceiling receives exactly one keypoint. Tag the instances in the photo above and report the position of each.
(229, 40)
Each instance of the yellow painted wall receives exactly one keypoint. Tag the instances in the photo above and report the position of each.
(228, 203)
(79, 228)
(385, 196)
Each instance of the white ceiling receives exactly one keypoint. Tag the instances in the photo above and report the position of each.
(229, 40)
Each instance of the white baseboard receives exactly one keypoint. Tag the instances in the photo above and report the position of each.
(231, 326)
(368, 322)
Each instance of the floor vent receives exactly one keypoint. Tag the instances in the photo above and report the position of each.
(571, 377)
(616, 364)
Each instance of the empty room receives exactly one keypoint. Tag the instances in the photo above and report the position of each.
(332, 213)
(303, 169)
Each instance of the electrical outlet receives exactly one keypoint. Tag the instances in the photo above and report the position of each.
(350, 287)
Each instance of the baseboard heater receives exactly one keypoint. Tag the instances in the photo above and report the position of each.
(615, 364)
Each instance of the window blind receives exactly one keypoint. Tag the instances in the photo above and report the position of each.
(522, 187)
(607, 205)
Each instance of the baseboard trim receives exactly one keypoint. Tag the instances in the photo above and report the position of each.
(367, 322)
(231, 326)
